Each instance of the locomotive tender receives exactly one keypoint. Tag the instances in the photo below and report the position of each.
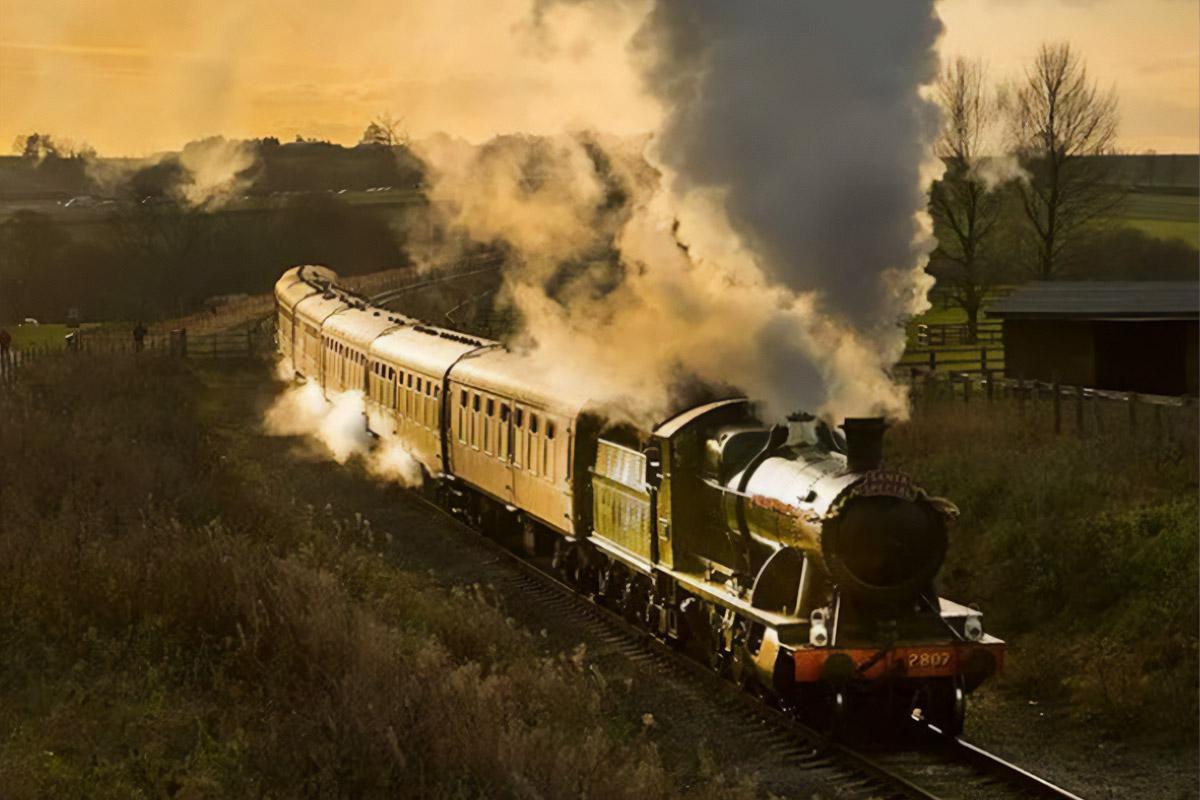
(785, 556)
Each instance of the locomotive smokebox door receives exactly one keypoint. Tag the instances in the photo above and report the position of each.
(864, 442)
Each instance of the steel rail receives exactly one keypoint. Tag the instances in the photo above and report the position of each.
(492, 264)
(993, 763)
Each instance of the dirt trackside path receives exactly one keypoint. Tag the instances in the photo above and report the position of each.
(692, 733)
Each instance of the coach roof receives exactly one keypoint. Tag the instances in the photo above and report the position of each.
(361, 327)
(422, 349)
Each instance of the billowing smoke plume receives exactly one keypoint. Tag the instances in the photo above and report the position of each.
(771, 235)
(336, 430)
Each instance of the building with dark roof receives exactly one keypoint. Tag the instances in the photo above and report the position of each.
(1128, 336)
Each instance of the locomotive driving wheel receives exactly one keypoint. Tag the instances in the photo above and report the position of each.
(943, 704)
(947, 706)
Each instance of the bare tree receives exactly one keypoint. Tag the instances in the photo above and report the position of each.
(1059, 119)
(386, 130)
(964, 206)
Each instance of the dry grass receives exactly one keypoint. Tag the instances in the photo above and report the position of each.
(1082, 550)
(171, 629)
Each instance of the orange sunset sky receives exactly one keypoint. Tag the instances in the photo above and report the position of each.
(132, 77)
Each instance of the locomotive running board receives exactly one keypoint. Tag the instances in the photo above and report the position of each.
(696, 584)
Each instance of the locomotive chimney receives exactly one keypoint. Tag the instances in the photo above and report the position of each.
(864, 442)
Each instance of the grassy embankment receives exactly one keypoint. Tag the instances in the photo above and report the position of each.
(172, 625)
(1082, 552)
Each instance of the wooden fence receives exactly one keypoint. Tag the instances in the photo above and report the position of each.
(949, 334)
(1067, 409)
(977, 359)
(252, 342)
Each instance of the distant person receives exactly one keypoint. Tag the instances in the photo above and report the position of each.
(139, 337)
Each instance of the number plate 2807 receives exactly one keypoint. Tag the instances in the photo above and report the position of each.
(929, 662)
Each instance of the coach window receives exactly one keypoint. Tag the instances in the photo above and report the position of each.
(548, 451)
(488, 425)
(518, 437)
(429, 407)
(462, 416)
(475, 420)
(534, 449)
(502, 448)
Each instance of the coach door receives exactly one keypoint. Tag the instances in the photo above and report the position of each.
(539, 464)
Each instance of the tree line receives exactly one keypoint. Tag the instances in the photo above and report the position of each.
(1025, 194)
(160, 260)
(151, 253)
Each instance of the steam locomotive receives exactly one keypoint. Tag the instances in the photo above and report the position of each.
(785, 556)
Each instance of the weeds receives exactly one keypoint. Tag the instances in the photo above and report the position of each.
(171, 628)
(1082, 550)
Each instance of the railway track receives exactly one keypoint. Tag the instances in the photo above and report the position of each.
(930, 767)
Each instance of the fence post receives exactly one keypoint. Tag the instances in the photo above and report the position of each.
(1057, 407)
(1132, 400)
(991, 392)
(1079, 409)
(983, 359)
(932, 360)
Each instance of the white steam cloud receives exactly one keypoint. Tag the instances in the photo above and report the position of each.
(206, 173)
(995, 171)
(336, 429)
(770, 234)
(217, 170)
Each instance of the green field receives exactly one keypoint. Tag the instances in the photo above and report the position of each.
(25, 336)
(1163, 216)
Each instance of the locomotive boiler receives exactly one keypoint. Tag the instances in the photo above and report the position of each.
(787, 557)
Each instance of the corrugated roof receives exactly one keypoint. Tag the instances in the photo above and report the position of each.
(1101, 300)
